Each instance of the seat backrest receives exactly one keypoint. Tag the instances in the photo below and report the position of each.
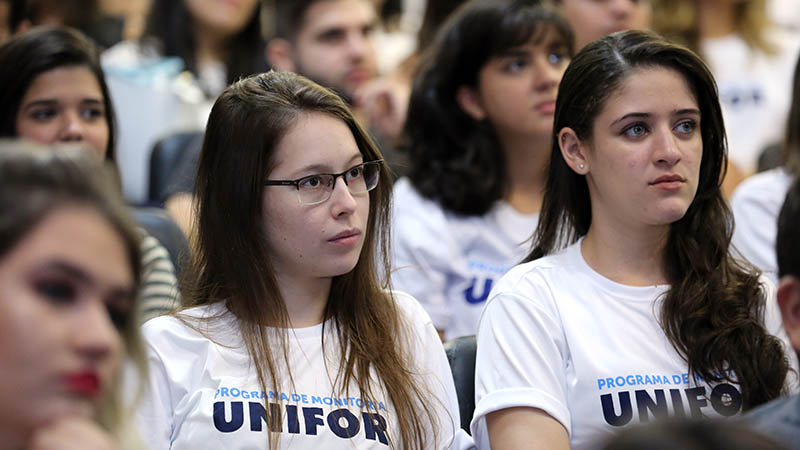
(160, 225)
(165, 159)
(461, 355)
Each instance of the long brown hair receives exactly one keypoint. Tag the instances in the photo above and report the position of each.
(713, 312)
(232, 261)
(678, 21)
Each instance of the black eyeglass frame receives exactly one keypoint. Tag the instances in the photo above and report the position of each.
(296, 183)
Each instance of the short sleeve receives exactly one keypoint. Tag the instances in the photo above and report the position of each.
(434, 370)
(522, 355)
(154, 411)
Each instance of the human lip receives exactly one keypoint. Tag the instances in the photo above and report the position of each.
(346, 238)
(86, 383)
(668, 182)
(359, 75)
(547, 107)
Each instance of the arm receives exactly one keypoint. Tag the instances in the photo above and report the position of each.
(522, 428)
(521, 387)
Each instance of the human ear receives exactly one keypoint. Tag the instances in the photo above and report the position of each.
(279, 55)
(573, 150)
(469, 100)
(789, 303)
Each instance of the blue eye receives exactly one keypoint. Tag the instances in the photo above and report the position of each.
(516, 65)
(686, 127)
(635, 130)
(556, 58)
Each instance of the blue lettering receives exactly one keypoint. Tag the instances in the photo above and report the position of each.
(235, 394)
(375, 427)
(469, 293)
(600, 383)
(313, 418)
(726, 399)
(697, 400)
(348, 431)
(316, 399)
(237, 417)
(626, 410)
(657, 408)
(291, 418)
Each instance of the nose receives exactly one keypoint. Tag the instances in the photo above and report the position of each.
(72, 128)
(621, 9)
(95, 337)
(667, 151)
(547, 74)
(343, 203)
(357, 45)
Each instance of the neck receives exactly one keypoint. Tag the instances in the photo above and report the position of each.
(715, 18)
(305, 299)
(210, 46)
(625, 254)
(526, 165)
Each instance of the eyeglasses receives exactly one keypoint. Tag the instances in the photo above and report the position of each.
(317, 188)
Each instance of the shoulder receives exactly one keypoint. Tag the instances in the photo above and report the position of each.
(408, 203)
(188, 328)
(411, 309)
(762, 189)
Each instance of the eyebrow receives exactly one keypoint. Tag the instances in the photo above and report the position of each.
(321, 168)
(83, 277)
(643, 115)
(54, 102)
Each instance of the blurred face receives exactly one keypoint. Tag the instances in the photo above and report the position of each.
(61, 303)
(517, 90)
(334, 45)
(65, 105)
(322, 240)
(593, 19)
(225, 17)
(642, 163)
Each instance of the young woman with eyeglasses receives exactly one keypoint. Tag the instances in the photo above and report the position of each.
(630, 307)
(479, 124)
(289, 340)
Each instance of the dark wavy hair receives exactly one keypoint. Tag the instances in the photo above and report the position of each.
(713, 312)
(40, 50)
(169, 26)
(791, 145)
(454, 159)
(246, 124)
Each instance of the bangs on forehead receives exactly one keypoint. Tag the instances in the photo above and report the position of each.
(533, 25)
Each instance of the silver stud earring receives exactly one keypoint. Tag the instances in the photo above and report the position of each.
(580, 166)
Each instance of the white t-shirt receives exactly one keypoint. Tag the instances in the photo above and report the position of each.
(756, 203)
(558, 336)
(755, 90)
(450, 262)
(203, 394)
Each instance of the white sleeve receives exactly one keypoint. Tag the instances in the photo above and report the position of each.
(154, 412)
(435, 373)
(421, 259)
(521, 358)
(756, 217)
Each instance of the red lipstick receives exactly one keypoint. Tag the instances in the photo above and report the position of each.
(86, 383)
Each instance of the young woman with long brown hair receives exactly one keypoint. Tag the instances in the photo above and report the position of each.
(289, 340)
(630, 307)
